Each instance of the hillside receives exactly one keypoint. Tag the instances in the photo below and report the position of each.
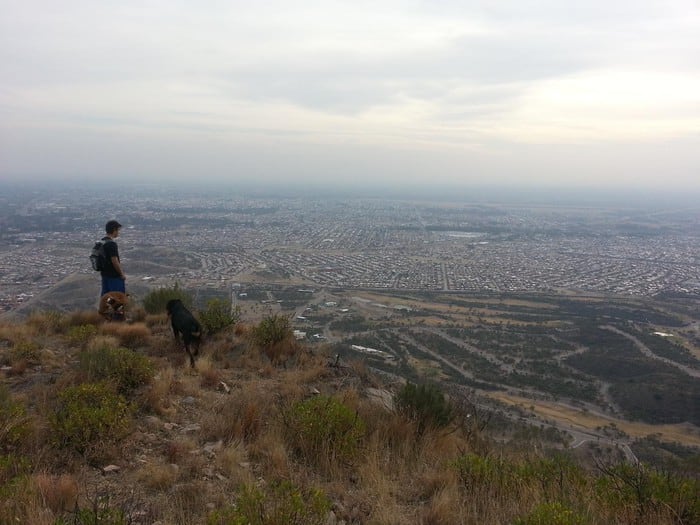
(106, 423)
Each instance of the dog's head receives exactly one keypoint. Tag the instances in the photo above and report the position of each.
(172, 304)
(116, 305)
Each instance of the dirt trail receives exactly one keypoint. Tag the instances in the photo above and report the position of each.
(647, 352)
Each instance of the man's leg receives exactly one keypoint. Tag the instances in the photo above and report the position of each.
(113, 284)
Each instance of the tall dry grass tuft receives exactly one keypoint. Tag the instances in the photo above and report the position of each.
(130, 335)
(22, 503)
(58, 493)
(156, 320)
(186, 503)
(101, 342)
(84, 317)
(137, 314)
(280, 353)
(159, 476)
(445, 507)
(239, 417)
(270, 453)
(157, 397)
(308, 368)
(234, 464)
(13, 333)
(209, 373)
(47, 323)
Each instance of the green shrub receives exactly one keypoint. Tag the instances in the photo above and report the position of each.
(551, 514)
(81, 334)
(425, 404)
(15, 485)
(281, 504)
(14, 423)
(556, 475)
(100, 513)
(25, 351)
(649, 490)
(484, 473)
(125, 368)
(218, 315)
(324, 431)
(154, 302)
(87, 414)
(12, 468)
(272, 330)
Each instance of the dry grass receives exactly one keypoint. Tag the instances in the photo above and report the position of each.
(197, 444)
(84, 318)
(159, 476)
(129, 335)
(59, 493)
(679, 433)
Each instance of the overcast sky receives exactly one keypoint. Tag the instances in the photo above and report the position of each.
(549, 92)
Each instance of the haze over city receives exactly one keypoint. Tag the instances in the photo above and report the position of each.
(528, 94)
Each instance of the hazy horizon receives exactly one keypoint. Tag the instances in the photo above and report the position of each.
(465, 193)
(531, 94)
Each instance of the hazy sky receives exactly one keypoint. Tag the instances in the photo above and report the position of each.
(547, 92)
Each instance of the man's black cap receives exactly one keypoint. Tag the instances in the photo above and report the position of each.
(111, 226)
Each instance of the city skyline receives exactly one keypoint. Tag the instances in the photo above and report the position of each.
(530, 94)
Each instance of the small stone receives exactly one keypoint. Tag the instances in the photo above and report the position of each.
(211, 448)
(110, 469)
(189, 400)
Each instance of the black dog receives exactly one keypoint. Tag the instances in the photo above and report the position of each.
(183, 322)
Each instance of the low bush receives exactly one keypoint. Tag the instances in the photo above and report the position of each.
(15, 425)
(125, 368)
(426, 404)
(154, 302)
(324, 431)
(271, 330)
(281, 504)
(79, 335)
(274, 337)
(551, 514)
(649, 491)
(49, 322)
(28, 351)
(131, 335)
(486, 474)
(87, 414)
(218, 315)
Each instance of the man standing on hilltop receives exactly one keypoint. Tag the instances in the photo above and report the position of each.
(113, 278)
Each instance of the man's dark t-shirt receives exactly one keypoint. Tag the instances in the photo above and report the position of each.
(111, 250)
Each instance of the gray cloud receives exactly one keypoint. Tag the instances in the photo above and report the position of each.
(390, 88)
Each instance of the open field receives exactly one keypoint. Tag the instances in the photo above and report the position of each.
(555, 352)
(581, 419)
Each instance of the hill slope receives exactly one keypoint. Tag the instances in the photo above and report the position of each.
(106, 423)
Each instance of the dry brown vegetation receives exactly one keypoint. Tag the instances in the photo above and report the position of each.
(205, 444)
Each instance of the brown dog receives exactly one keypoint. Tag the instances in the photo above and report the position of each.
(113, 306)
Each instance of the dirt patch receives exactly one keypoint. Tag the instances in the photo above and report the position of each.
(685, 433)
